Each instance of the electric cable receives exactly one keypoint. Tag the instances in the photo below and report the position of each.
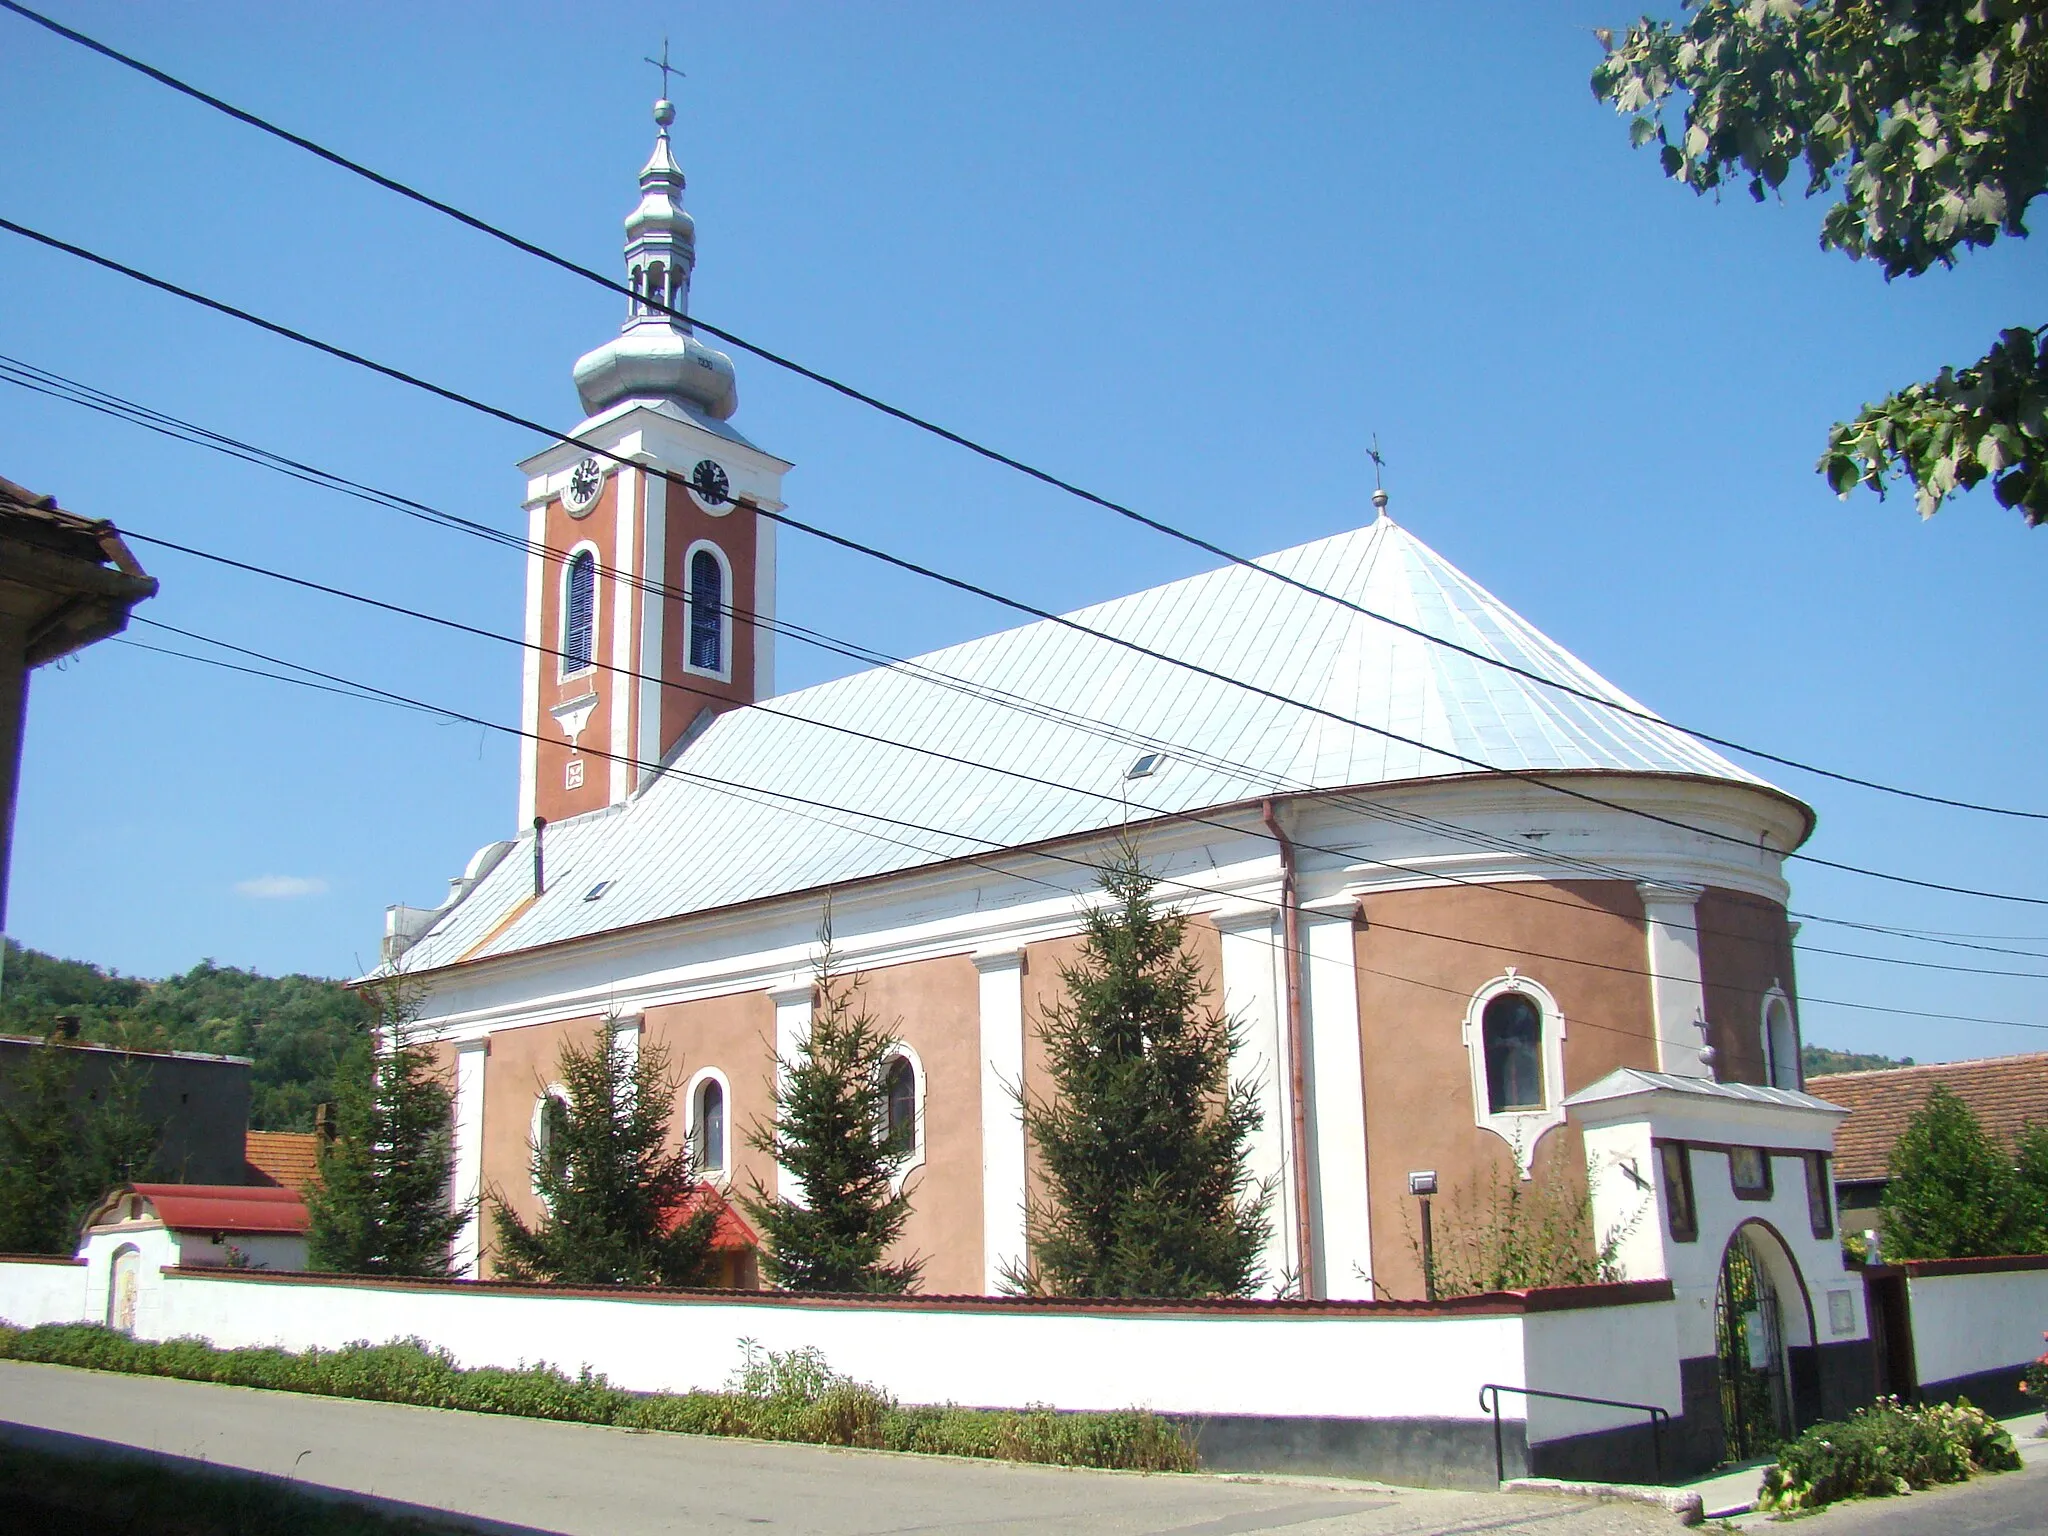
(1195, 817)
(994, 455)
(1547, 779)
(758, 794)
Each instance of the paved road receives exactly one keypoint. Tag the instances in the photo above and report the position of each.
(573, 1479)
(2010, 1504)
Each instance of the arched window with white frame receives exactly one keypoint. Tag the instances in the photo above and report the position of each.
(579, 611)
(708, 1111)
(1780, 1040)
(548, 1134)
(904, 1088)
(707, 621)
(1514, 1042)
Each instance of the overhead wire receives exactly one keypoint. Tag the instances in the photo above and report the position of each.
(758, 794)
(1546, 779)
(30, 376)
(958, 439)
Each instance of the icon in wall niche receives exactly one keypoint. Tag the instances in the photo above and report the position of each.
(572, 776)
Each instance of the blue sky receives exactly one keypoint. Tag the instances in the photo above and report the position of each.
(1193, 258)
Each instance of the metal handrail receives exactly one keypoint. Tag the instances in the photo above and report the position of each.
(1489, 1402)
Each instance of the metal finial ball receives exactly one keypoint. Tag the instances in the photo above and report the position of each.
(1379, 499)
(664, 112)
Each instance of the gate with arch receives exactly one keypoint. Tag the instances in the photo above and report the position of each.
(1757, 1321)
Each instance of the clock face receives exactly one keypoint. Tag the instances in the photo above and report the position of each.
(585, 481)
(708, 480)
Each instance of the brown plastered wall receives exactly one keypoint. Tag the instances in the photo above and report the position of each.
(934, 1007)
(1745, 948)
(736, 1034)
(519, 1065)
(736, 534)
(1414, 987)
(562, 533)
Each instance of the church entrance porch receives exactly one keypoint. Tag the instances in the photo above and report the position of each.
(1750, 1344)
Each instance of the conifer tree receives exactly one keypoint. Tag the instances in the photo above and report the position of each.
(59, 1153)
(831, 1131)
(617, 1194)
(1143, 1140)
(383, 1204)
(1952, 1194)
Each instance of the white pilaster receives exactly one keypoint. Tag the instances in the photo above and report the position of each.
(1004, 1241)
(764, 608)
(792, 1022)
(1678, 1000)
(1254, 986)
(652, 663)
(469, 1153)
(1336, 1104)
(625, 614)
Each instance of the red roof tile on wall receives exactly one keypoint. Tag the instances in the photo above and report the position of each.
(2006, 1093)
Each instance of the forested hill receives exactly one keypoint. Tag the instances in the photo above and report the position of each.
(1819, 1060)
(295, 1028)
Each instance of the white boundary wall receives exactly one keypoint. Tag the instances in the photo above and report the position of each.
(38, 1291)
(1364, 1362)
(1969, 1323)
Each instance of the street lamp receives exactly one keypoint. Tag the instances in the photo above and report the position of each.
(1422, 1184)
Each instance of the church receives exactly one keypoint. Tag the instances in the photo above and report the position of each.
(1444, 873)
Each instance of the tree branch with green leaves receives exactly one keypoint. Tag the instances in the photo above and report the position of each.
(1927, 121)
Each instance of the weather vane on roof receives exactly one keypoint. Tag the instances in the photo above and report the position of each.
(1379, 463)
(666, 68)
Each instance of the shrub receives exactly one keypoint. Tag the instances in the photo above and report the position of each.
(1886, 1449)
(794, 1395)
(2035, 1382)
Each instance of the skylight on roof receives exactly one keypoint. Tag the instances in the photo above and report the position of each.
(1145, 766)
(597, 890)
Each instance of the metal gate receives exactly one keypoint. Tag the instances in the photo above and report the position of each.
(1754, 1403)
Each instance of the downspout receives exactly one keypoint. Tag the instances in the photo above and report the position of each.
(1297, 1070)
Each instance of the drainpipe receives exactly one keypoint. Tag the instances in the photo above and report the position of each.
(540, 873)
(1297, 1071)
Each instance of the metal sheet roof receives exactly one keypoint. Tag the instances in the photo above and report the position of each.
(1074, 712)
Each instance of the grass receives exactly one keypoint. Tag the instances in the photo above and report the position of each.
(52, 1493)
(772, 1396)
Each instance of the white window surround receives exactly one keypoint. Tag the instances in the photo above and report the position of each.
(1780, 1039)
(563, 670)
(1521, 1129)
(722, 1174)
(904, 1051)
(536, 1137)
(723, 671)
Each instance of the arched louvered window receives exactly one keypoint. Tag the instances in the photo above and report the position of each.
(1512, 1028)
(579, 610)
(707, 612)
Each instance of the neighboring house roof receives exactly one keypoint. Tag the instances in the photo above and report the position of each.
(210, 1208)
(2005, 1093)
(69, 578)
(731, 1233)
(1066, 707)
(288, 1159)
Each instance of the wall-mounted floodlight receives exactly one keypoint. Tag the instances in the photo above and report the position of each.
(1422, 1182)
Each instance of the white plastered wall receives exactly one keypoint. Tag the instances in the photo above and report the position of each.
(1254, 994)
(1004, 1238)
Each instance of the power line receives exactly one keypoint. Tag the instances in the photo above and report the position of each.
(1123, 802)
(757, 794)
(1546, 779)
(994, 455)
(57, 386)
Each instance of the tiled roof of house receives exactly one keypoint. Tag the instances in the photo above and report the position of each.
(2006, 1093)
(211, 1207)
(287, 1159)
(1072, 710)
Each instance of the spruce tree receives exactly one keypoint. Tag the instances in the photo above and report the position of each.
(831, 1131)
(382, 1205)
(1952, 1194)
(616, 1193)
(1143, 1140)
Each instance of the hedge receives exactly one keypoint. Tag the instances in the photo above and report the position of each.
(773, 1396)
(1883, 1450)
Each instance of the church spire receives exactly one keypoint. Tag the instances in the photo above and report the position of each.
(655, 357)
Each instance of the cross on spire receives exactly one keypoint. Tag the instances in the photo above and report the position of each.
(1378, 463)
(666, 68)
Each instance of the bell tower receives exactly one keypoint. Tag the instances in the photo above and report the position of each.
(650, 590)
